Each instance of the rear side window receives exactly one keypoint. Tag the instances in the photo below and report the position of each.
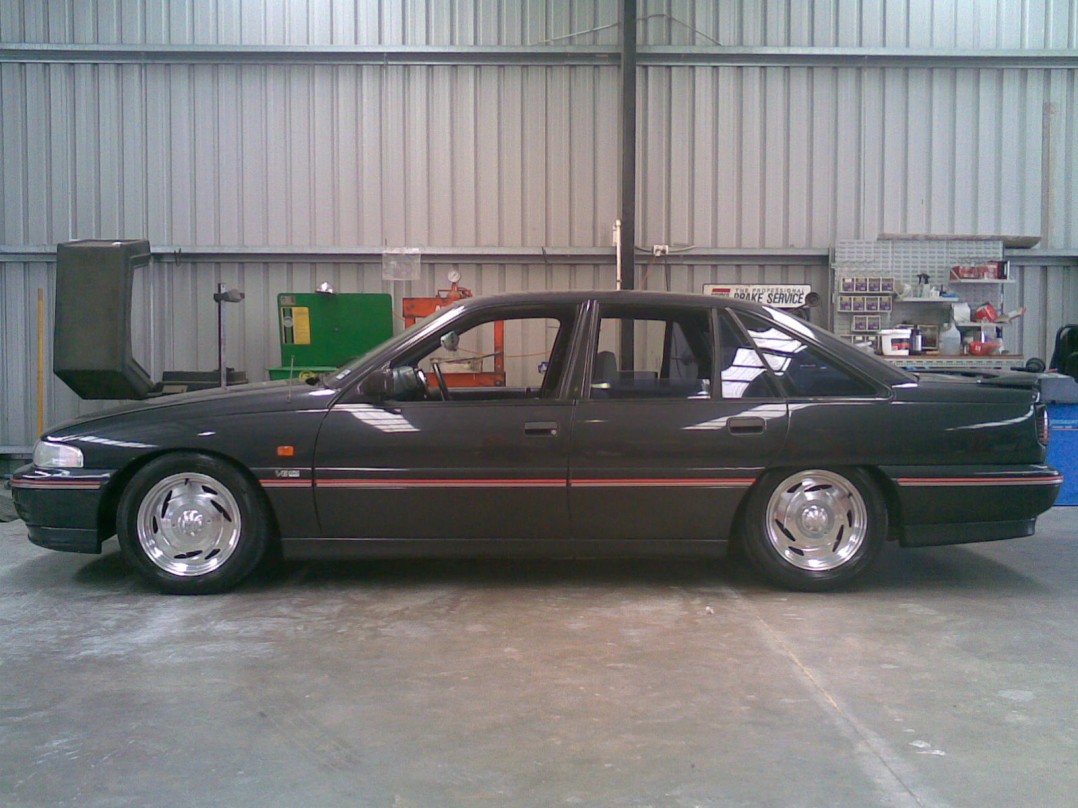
(742, 374)
(804, 370)
(643, 353)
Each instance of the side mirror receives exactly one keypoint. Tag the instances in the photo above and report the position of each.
(378, 385)
(450, 341)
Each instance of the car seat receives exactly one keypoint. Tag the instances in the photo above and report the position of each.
(1065, 356)
(606, 367)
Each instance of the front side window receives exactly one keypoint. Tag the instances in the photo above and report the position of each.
(804, 370)
(652, 355)
(501, 355)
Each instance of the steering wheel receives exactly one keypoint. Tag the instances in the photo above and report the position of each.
(442, 386)
(421, 383)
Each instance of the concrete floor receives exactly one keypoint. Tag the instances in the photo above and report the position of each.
(948, 678)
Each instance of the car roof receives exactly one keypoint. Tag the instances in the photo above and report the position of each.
(609, 295)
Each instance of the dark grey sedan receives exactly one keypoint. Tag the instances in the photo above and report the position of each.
(557, 424)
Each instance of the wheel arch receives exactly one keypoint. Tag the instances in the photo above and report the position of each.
(889, 491)
(814, 528)
(884, 484)
(108, 509)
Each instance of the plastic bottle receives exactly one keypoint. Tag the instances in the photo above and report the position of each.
(950, 340)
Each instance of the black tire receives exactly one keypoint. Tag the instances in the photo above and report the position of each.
(192, 525)
(814, 529)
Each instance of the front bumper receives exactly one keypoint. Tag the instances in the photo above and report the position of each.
(62, 507)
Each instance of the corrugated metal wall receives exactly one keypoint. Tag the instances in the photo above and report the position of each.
(778, 23)
(1050, 294)
(513, 154)
(461, 156)
(768, 157)
(323, 155)
(308, 22)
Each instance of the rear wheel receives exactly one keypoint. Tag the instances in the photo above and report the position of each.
(192, 524)
(814, 529)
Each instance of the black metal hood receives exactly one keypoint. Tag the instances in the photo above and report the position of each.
(248, 399)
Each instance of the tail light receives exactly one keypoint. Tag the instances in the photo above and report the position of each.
(1042, 424)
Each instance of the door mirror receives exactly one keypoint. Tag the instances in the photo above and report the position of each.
(378, 385)
(450, 341)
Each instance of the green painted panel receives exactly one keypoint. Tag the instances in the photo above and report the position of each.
(328, 330)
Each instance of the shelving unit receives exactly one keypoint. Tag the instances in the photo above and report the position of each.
(902, 262)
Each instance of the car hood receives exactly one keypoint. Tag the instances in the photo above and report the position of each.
(282, 396)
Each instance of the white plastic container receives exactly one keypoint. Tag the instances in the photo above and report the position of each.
(950, 342)
(895, 342)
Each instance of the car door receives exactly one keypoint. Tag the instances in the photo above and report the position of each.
(659, 451)
(835, 411)
(491, 462)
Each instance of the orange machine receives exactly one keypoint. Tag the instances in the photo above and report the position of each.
(416, 308)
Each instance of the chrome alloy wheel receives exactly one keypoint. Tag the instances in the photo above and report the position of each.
(816, 520)
(188, 524)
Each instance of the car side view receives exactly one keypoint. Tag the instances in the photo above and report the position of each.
(619, 423)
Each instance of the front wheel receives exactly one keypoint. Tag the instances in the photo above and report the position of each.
(192, 524)
(814, 529)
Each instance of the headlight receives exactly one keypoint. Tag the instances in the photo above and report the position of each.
(57, 456)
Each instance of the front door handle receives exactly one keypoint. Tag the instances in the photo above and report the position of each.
(746, 425)
(541, 429)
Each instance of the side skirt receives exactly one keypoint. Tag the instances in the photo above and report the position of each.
(317, 549)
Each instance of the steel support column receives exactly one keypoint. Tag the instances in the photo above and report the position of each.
(627, 178)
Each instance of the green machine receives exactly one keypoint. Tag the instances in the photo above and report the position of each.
(320, 332)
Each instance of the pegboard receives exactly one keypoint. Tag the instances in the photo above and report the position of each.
(864, 254)
(903, 260)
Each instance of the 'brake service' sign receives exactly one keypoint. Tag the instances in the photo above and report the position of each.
(779, 295)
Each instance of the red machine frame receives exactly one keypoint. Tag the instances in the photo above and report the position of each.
(416, 308)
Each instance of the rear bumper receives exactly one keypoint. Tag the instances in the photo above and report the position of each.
(940, 535)
(61, 507)
(956, 505)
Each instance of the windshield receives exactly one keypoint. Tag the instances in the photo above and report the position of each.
(340, 376)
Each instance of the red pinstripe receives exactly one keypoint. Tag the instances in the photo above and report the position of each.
(974, 481)
(56, 484)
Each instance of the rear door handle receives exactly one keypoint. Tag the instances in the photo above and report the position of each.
(541, 429)
(746, 425)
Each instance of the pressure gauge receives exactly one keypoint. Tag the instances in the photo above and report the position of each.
(454, 276)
